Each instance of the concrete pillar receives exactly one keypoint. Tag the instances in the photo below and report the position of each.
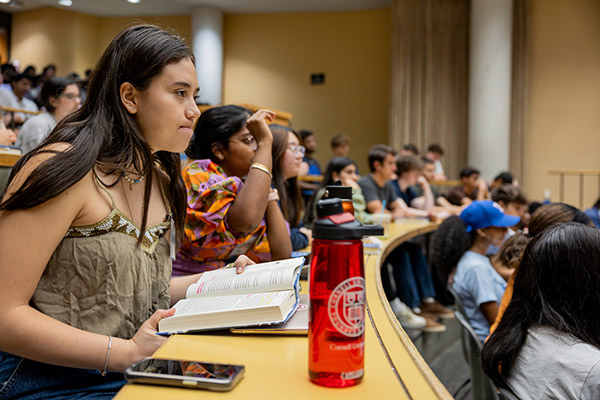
(490, 85)
(207, 45)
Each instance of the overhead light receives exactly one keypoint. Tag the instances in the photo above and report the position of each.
(66, 3)
(4, 1)
(133, 1)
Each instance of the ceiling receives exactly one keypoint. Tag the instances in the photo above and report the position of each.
(178, 7)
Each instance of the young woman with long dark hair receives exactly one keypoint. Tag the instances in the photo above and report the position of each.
(85, 273)
(287, 158)
(227, 215)
(543, 218)
(547, 345)
(60, 97)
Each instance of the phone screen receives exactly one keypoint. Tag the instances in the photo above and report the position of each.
(192, 369)
(182, 373)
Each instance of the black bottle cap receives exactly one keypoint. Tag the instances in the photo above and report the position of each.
(327, 228)
(329, 206)
(342, 192)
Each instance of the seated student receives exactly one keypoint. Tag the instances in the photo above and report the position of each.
(440, 201)
(544, 217)
(462, 243)
(503, 178)
(85, 274)
(409, 149)
(547, 345)
(340, 145)
(344, 170)
(15, 98)
(514, 202)
(376, 186)
(511, 199)
(227, 215)
(471, 188)
(287, 158)
(594, 213)
(408, 170)
(411, 286)
(508, 257)
(60, 97)
(435, 152)
(309, 144)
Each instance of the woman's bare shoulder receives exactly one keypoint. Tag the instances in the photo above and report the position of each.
(41, 156)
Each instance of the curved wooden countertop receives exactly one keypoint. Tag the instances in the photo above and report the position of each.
(277, 366)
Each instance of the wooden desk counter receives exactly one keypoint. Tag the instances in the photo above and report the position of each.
(277, 366)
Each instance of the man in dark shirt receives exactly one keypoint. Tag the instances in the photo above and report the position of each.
(470, 188)
(376, 186)
(410, 284)
(408, 169)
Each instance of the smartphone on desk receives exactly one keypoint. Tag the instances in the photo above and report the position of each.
(183, 373)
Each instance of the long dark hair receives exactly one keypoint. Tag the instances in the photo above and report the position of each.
(289, 192)
(558, 286)
(449, 242)
(548, 215)
(216, 126)
(337, 164)
(53, 87)
(103, 132)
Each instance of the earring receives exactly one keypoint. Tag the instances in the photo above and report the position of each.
(220, 156)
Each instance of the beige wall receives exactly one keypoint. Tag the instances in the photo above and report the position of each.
(563, 122)
(73, 41)
(269, 59)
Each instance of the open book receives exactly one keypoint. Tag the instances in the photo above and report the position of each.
(266, 293)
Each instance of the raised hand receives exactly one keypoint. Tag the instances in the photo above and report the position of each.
(258, 125)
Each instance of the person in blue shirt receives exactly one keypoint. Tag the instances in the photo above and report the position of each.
(594, 213)
(463, 242)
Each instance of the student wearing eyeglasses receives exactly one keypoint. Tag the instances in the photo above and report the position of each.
(287, 159)
(231, 208)
(60, 97)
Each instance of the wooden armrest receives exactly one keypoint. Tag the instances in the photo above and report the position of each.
(18, 110)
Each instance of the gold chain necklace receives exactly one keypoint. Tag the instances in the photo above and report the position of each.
(132, 181)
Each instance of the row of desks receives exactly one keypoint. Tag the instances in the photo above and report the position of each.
(277, 366)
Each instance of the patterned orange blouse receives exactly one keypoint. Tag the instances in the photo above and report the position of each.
(209, 242)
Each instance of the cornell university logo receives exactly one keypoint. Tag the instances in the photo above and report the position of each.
(346, 307)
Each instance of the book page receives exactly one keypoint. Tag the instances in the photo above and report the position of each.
(226, 303)
(264, 277)
(229, 311)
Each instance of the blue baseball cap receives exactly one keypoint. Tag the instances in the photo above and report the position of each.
(485, 213)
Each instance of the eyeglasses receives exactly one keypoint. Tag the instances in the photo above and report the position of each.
(297, 149)
(248, 140)
(70, 96)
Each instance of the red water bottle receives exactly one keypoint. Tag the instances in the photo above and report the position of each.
(337, 297)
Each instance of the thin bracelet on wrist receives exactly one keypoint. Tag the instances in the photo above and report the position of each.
(262, 168)
(103, 371)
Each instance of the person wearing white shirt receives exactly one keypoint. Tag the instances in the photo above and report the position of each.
(15, 98)
(60, 97)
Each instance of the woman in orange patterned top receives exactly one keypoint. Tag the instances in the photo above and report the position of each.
(227, 214)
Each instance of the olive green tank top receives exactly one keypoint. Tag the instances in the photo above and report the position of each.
(100, 281)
